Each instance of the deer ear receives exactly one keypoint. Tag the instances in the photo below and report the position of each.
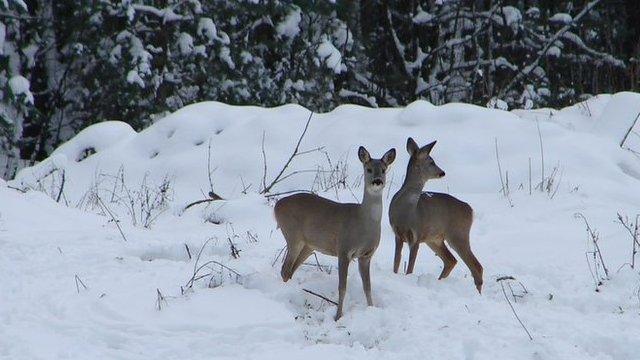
(412, 147)
(389, 156)
(427, 148)
(363, 155)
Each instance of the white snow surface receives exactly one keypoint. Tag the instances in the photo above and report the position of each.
(47, 248)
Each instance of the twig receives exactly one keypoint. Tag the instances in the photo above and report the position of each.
(78, 283)
(295, 153)
(320, 296)
(188, 251)
(113, 218)
(160, 299)
(630, 129)
(499, 280)
(505, 190)
(596, 253)
(235, 253)
(541, 155)
(61, 187)
(317, 261)
(213, 197)
(278, 256)
(24, 191)
(264, 164)
(632, 228)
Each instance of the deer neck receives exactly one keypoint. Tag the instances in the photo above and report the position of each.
(371, 205)
(411, 190)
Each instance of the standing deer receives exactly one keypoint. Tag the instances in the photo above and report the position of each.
(432, 218)
(311, 223)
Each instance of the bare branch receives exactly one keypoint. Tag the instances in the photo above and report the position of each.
(320, 296)
(296, 152)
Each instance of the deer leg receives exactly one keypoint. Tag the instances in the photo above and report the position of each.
(398, 256)
(293, 250)
(343, 270)
(448, 260)
(364, 264)
(413, 253)
(461, 245)
(304, 254)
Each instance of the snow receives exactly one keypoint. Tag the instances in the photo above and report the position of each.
(225, 55)
(561, 19)
(496, 103)
(554, 51)
(3, 34)
(207, 29)
(331, 56)
(49, 247)
(185, 44)
(512, 16)
(422, 17)
(19, 85)
(134, 78)
(290, 26)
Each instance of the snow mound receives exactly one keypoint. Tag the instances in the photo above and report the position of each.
(116, 274)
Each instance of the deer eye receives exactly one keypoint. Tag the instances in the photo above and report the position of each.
(383, 170)
(369, 171)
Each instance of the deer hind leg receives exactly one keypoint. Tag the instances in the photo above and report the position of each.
(448, 260)
(293, 250)
(460, 243)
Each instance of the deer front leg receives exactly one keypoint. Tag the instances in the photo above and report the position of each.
(398, 256)
(343, 270)
(364, 264)
(413, 253)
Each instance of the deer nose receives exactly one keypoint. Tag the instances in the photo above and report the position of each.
(441, 174)
(377, 182)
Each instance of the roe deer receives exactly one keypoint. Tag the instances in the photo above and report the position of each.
(311, 223)
(431, 218)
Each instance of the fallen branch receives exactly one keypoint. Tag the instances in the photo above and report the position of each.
(320, 296)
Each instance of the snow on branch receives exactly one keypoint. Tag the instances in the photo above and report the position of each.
(577, 41)
(166, 14)
(551, 42)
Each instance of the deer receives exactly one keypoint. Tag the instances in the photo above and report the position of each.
(344, 230)
(429, 217)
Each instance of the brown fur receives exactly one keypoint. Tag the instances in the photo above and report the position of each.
(435, 219)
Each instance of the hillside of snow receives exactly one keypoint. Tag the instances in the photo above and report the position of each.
(100, 259)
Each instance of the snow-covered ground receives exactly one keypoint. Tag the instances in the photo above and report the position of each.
(71, 287)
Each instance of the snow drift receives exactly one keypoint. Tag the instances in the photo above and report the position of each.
(526, 173)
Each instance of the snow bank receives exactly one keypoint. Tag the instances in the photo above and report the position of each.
(137, 304)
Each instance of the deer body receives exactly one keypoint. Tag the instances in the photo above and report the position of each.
(347, 231)
(431, 218)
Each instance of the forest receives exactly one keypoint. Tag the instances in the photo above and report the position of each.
(65, 65)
